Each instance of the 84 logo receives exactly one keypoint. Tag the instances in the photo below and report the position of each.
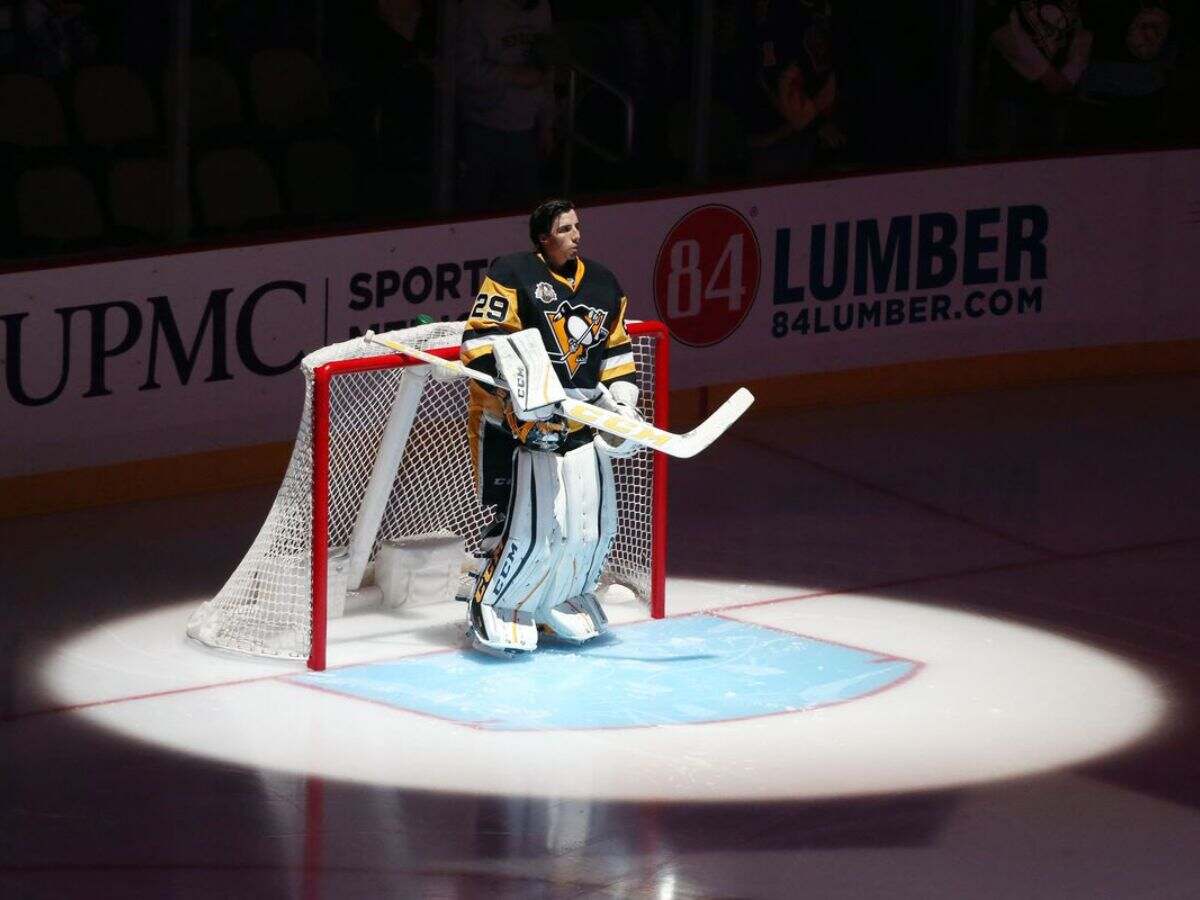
(706, 275)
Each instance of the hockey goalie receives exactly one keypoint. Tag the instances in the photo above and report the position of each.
(552, 402)
(550, 327)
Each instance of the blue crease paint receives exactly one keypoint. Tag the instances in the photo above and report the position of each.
(682, 671)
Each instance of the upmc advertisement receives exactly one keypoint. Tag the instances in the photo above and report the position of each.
(197, 351)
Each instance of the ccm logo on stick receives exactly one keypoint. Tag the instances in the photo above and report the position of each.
(619, 424)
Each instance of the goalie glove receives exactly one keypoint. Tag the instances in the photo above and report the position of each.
(621, 398)
(624, 400)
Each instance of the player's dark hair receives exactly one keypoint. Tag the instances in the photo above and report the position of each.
(542, 218)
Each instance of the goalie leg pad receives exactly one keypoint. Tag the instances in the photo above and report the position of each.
(587, 508)
(514, 583)
(604, 516)
(561, 524)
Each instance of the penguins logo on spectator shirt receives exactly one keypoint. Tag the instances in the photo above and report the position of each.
(576, 329)
(1049, 24)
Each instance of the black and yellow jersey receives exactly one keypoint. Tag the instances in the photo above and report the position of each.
(581, 320)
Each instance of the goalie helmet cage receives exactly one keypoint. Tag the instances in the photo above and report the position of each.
(382, 453)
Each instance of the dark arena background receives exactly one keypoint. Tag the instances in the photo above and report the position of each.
(923, 622)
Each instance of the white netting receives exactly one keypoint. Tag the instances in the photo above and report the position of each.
(266, 606)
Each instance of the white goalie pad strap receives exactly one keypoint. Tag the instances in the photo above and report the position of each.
(523, 365)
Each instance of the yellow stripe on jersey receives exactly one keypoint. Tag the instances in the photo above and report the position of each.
(617, 335)
(614, 372)
(617, 349)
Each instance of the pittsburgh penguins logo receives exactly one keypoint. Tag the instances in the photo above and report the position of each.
(576, 329)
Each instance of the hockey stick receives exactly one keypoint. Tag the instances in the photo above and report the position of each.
(682, 446)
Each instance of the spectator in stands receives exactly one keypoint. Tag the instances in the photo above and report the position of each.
(797, 91)
(54, 37)
(1037, 54)
(1128, 79)
(505, 101)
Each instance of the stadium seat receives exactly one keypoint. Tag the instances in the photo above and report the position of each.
(320, 178)
(31, 115)
(288, 90)
(214, 99)
(57, 206)
(235, 188)
(139, 195)
(112, 107)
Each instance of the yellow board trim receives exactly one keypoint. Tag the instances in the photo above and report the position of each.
(619, 335)
(942, 378)
(264, 464)
(146, 479)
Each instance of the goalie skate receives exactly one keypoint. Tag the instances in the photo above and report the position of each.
(576, 620)
(503, 633)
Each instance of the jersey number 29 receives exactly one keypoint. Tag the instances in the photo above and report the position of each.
(492, 307)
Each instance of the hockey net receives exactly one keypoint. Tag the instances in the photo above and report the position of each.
(346, 461)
